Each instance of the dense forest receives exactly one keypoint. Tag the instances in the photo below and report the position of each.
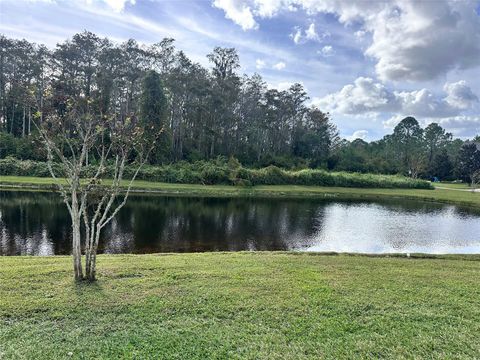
(207, 113)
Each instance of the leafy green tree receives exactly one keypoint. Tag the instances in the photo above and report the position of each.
(205, 112)
(469, 160)
(315, 137)
(407, 139)
(436, 139)
(153, 110)
(441, 166)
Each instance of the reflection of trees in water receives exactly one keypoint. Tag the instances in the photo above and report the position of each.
(214, 224)
(38, 223)
(33, 223)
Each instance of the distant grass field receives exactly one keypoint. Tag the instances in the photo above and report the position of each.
(462, 186)
(465, 198)
(241, 305)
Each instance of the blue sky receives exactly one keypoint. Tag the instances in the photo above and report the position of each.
(368, 63)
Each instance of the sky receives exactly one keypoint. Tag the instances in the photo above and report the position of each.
(368, 63)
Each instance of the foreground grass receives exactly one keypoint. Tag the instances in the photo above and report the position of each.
(465, 198)
(241, 305)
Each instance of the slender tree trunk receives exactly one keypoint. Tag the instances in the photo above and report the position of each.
(23, 123)
(92, 271)
(87, 261)
(91, 255)
(29, 119)
(76, 251)
(13, 118)
(76, 241)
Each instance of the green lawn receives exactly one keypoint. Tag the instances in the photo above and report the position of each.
(449, 185)
(440, 195)
(241, 305)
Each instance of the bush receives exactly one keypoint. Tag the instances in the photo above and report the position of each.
(221, 171)
(13, 166)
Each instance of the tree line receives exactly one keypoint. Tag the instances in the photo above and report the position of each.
(429, 152)
(205, 112)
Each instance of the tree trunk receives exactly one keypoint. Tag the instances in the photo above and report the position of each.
(91, 256)
(77, 251)
(76, 241)
(13, 118)
(29, 119)
(23, 124)
(92, 268)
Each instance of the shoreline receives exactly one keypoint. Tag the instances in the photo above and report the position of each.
(441, 194)
(397, 255)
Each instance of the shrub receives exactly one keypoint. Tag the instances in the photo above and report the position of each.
(221, 171)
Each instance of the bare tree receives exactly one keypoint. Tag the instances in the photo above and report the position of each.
(89, 191)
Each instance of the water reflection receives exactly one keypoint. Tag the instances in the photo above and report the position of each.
(33, 223)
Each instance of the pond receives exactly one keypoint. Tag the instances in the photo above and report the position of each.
(36, 223)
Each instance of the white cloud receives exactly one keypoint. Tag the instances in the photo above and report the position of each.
(416, 40)
(327, 51)
(296, 36)
(411, 40)
(270, 8)
(460, 95)
(311, 33)
(392, 122)
(115, 5)
(285, 85)
(300, 36)
(360, 34)
(260, 64)
(461, 126)
(237, 11)
(367, 96)
(118, 5)
(359, 134)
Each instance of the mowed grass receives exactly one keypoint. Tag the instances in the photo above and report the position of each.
(450, 185)
(241, 305)
(466, 198)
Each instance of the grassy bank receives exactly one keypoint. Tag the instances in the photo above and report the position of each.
(439, 195)
(223, 172)
(241, 305)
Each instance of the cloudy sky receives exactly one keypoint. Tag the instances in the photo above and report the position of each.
(369, 63)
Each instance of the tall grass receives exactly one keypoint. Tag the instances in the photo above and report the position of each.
(220, 171)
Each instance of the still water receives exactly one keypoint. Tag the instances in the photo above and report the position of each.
(34, 223)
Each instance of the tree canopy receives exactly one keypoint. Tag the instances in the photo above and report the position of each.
(205, 112)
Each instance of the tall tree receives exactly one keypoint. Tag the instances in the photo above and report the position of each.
(441, 165)
(153, 111)
(435, 139)
(469, 160)
(407, 138)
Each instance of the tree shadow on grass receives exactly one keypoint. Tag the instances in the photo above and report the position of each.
(88, 289)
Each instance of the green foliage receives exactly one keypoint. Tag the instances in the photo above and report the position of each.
(441, 166)
(26, 148)
(469, 160)
(13, 166)
(204, 112)
(221, 171)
